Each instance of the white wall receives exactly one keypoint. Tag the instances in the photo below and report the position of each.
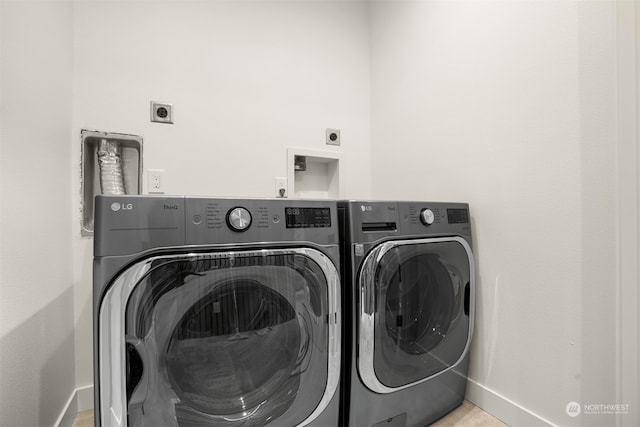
(628, 32)
(511, 106)
(508, 105)
(247, 79)
(36, 293)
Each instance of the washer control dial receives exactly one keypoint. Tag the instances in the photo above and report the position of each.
(427, 217)
(239, 219)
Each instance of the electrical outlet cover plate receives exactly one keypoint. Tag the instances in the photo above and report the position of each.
(161, 112)
(333, 136)
(281, 188)
(155, 183)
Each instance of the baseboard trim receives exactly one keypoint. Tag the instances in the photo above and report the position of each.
(506, 410)
(80, 400)
(69, 412)
(85, 398)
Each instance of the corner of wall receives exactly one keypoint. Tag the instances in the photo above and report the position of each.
(80, 400)
(506, 410)
(628, 231)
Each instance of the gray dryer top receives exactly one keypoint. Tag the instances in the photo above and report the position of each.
(371, 221)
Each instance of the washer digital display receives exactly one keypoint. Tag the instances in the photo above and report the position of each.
(307, 217)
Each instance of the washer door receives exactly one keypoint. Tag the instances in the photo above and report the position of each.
(221, 339)
(415, 303)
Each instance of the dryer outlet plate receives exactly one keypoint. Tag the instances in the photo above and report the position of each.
(161, 112)
(333, 136)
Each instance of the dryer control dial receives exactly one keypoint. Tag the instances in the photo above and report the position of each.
(427, 217)
(239, 219)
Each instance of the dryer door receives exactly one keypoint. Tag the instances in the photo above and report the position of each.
(416, 299)
(221, 339)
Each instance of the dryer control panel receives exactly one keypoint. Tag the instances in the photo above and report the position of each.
(453, 215)
(439, 218)
(458, 216)
(427, 216)
(375, 220)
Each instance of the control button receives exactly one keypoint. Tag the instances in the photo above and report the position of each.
(238, 219)
(197, 219)
(427, 217)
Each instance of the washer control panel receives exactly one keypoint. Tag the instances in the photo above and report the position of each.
(239, 219)
(304, 217)
(227, 220)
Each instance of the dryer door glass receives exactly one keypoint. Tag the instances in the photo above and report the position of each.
(415, 311)
(230, 339)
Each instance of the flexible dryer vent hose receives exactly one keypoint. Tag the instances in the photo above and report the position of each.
(110, 162)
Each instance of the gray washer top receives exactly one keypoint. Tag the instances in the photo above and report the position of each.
(126, 225)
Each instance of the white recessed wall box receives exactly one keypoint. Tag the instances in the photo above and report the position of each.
(315, 174)
(111, 163)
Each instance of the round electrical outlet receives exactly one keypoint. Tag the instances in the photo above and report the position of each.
(162, 112)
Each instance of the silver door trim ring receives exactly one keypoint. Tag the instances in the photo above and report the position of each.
(112, 346)
(367, 311)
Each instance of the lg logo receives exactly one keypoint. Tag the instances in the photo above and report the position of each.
(121, 206)
(364, 208)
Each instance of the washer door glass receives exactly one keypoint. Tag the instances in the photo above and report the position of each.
(229, 339)
(415, 311)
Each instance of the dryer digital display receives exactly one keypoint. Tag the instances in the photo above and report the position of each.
(307, 217)
(458, 216)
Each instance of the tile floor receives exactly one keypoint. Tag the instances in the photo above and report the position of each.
(467, 415)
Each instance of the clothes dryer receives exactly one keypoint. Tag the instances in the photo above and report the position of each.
(408, 299)
(216, 312)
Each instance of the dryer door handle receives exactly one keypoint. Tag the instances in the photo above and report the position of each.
(467, 297)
